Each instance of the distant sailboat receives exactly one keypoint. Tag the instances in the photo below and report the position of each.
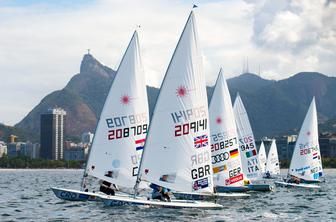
(248, 148)
(306, 164)
(262, 158)
(272, 165)
(251, 167)
(121, 131)
(226, 162)
(177, 151)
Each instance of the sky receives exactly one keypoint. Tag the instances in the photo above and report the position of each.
(42, 42)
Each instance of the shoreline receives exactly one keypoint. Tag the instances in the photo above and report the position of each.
(39, 169)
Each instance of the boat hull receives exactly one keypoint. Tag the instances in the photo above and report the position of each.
(295, 185)
(215, 196)
(260, 187)
(141, 201)
(226, 189)
(250, 187)
(75, 195)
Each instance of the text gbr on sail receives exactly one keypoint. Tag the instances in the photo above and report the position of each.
(199, 159)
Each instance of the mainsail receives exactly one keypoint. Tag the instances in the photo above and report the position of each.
(262, 157)
(249, 155)
(272, 165)
(306, 160)
(177, 152)
(121, 131)
(225, 153)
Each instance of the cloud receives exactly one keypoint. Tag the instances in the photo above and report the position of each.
(41, 44)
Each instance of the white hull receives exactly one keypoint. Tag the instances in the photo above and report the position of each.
(294, 185)
(142, 201)
(215, 196)
(76, 195)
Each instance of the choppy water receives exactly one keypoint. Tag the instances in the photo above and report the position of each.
(26, 195)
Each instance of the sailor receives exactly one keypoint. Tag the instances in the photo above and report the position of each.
(107, 187)
(159, 192)
(293, 179)
(247, 182)
(268, 175)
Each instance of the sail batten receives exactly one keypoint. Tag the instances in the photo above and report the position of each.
(177, 152)
(306, 161)
(226, 161)
(121, 130)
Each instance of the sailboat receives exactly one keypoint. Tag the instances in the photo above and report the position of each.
(121, 130)
(272, 164)
(248, 148)
(262, 158)
(177, 151)
(306, 165)
(226, 163)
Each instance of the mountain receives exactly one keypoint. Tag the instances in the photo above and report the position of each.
(280, 108)
(274, 107)
(82, 98)
(248, 83)
(6, 131)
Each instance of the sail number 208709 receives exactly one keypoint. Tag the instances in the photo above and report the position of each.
(126, 132)
(121, 126)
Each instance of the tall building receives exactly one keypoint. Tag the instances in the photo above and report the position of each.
(12, 139)
(35, 151)
(52, 131)
(13, 149)
(77, 152)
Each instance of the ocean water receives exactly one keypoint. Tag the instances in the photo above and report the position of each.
(25, 195)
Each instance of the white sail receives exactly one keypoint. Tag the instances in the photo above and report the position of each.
(122, 127)
(249, 155)
(262, 157)
(306, 160)
(225, 153)
(272, 165)
(177, 153)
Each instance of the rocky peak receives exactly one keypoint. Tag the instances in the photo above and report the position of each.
(91, 66)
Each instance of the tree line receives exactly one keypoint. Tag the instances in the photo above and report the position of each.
(26, 162)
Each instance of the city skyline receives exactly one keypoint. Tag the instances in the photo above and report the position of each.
(44, 41)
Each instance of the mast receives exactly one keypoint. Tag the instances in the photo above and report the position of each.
(125, 109)
(306, 161)
(249, 156)
(138, 180)
(169, 154)
(224, 139)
